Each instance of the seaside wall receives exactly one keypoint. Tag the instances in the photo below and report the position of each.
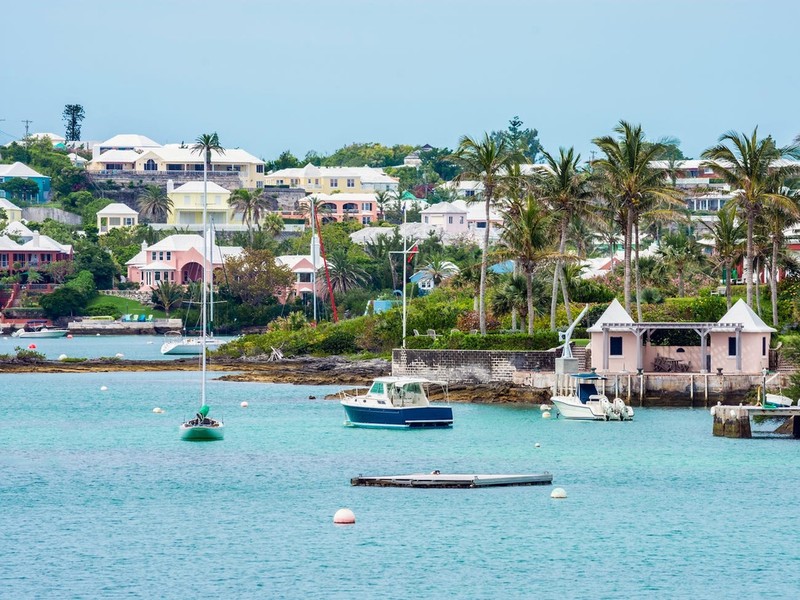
(471, 366)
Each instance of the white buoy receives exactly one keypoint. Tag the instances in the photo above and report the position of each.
(344, 516)
(558, 493)
(119, 355)
(149, 342)
(62, 357)
(97, 334)
(244, 405)
(103, 388)
(546, 414)
(537, 445)
(544, 407)
(158, 410)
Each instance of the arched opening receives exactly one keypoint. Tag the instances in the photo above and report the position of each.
(191, 272)
(150, 165)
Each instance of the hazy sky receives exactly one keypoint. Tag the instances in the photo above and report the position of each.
(318, 74)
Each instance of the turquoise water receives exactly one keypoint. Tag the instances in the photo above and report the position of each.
(133, 347)
(99, 498)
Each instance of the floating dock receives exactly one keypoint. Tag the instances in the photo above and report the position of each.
(734, 421)
(453, 480)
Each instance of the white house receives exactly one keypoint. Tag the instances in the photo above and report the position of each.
(116, 215)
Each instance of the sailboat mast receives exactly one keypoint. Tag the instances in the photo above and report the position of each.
(405, 274)
(204, 297)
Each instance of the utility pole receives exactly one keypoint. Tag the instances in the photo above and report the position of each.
(27, 127)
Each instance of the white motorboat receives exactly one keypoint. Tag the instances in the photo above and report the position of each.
(400, 402)
(177, 344)
(40, 332)
(575, 395)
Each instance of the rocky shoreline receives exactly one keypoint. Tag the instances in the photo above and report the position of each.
(301, 371)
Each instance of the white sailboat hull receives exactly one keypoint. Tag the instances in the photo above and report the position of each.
(188, 346)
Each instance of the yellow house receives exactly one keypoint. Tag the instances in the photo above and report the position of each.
(332, 180)
(187, 205)
(13, 212)
(116, 215)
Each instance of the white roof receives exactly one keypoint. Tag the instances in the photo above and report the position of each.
(366, 174)
(157, 266)
(18, 169)
(183, 242)
(8, 205)
(54, 137)
(615, 313)
(196, 187)
(45, 242)
(17, 228)
(185, 154)
(741, 313)
(117, 208)
(6, 243)
(444, 207)
(476, 211)
(129, 140)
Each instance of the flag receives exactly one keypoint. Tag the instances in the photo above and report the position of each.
(412, 252)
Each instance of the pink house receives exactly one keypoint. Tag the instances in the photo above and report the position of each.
(361, 207)
(177, 258)
(34, 252)
(303, 269)
(738, 343)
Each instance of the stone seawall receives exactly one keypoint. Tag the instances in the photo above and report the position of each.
(470, 366)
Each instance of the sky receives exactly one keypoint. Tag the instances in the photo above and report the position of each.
(318, 74)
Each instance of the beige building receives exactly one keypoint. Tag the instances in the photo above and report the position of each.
(187, 205)
(116, 215)
(13, 212)
(131, 155)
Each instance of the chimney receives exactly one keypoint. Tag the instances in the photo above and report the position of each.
(170, 186)
(144, 246)
(95, 151)
(35, 239)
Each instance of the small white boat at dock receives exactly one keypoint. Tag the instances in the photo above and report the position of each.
(575, 395)
(38, 329)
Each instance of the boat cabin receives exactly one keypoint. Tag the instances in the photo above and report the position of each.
(396, 391)
(581, 385)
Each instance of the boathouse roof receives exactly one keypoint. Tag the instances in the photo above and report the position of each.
(751, 322)
(615, 313)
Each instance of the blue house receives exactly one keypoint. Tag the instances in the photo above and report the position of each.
(23, 171)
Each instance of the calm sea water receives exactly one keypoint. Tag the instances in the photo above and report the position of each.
(99, 499)
(133, 347)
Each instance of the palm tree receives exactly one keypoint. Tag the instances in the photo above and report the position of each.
(681, 253)
(510, 298)
(167, 295)
(627, 174)
(729, 236)
(526, 237)
(154, 204)
(487, 161)
(776, 219)
(382, 199)
(251, 204)
(272, 224)
(345, 272)
(750, 166)
(564, 188)
(437, 270)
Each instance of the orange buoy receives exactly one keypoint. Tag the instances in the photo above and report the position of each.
(32, 347)
(344, 516)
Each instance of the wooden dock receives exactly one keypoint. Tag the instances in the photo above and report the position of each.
(734, 421)
(453, 480)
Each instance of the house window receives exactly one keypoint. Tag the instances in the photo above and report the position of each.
(366, 206)
(169, 255)
(334, 183)
(295, 182)
(316, 182)
(113, 167)
(615, 346)
(217, 199)
(152, 256)
(128, 221)
(259, 168)
(158, 275)
(177, 167)
(4, 261)
(426, 218)
(351, 183)
(160, 256)
(304, 277)
(150, 165)
(366, 220)
(480, 225)
(259, 184)
(469, 193)
(450, 220)
(461, 220)
(763, 346)
(732, 346)
(279, 182)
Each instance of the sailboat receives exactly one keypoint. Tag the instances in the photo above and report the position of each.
(202, 428)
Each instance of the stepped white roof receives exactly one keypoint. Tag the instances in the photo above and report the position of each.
(615, 313)
(444, 207)
(181, 243)
(366, 174)
(196, 187)
(742, 313)
(185, 154)
(117, 208)
(18, 169)
(292, 260)
(129, 140)
(17, 228)
(6, 243)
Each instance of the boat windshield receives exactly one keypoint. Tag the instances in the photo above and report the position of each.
(377, 388)
(585, 390)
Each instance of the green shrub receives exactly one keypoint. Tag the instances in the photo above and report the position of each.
(337, 342)
(102, 309)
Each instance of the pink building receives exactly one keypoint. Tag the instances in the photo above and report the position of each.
(361, 207)
(34, 252)
(303, 269)
(738, 343)
(177, 258)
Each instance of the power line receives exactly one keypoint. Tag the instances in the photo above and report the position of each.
(27, 126)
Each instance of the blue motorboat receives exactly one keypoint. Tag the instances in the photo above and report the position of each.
(397, 402)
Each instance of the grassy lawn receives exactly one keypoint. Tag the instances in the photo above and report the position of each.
(581, 343)
(126, 306)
